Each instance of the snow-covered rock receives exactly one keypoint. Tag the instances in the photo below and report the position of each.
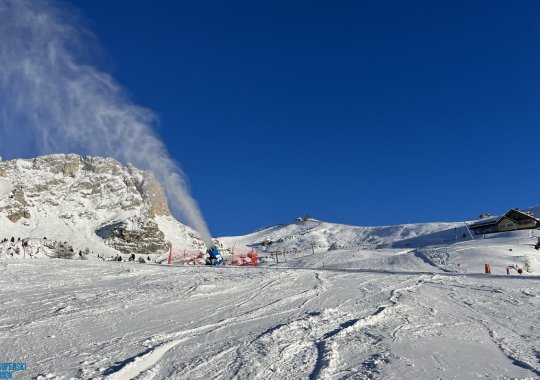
(88, 202)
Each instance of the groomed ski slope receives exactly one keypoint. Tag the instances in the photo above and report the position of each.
(87, 319)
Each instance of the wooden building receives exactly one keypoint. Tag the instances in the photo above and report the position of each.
(513, 220)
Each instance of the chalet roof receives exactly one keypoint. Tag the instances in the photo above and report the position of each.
(514, 215)
(486, 222)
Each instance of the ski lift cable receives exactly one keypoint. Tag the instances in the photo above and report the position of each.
(475, 242)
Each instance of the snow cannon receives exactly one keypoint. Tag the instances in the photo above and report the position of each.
(214, 257)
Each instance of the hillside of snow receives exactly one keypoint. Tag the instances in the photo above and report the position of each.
(440, 247)
(504, 254)
(307, 234)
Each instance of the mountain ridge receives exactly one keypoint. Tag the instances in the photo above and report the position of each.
(110, 208)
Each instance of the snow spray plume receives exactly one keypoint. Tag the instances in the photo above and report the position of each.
(51, 100)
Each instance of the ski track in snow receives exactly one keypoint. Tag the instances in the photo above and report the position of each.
(133, 367)
(125, 321)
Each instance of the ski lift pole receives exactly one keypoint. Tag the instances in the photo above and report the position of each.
(169, 259)
(487, 268)
(232, 253)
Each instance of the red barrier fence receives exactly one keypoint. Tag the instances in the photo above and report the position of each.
(238, 257)
(244, 257)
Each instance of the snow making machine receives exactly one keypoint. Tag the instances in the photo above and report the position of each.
(214, 257)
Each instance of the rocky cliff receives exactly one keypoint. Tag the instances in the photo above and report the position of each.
(91, 202)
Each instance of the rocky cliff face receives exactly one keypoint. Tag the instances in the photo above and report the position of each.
(89, 201)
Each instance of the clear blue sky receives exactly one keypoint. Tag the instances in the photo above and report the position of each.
(360, 112)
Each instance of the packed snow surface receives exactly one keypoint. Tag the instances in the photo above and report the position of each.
(91, 319)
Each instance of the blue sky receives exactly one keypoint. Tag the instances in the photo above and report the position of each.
(361, 112)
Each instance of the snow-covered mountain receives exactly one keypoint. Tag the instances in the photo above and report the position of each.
(310, 243)
(69, 203)
(308, 234)
(87, 202)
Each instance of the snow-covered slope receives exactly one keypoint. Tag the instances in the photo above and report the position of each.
(446, 247)
(512, 251)
(160, 322)
(309, 234)
(87, 202)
